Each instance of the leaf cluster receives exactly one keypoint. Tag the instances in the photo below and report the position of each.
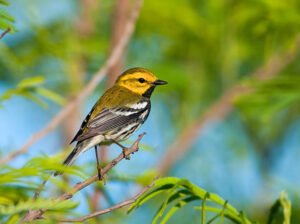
(17, 186)
(6, 19)
(180, 192)
(177, 193)
(277, 103)
(32, 89)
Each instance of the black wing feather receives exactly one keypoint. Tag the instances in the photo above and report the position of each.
(109, 119)
(83, 125)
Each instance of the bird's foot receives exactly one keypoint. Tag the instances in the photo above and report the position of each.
(126, 153)
(101, 175)
(125, 150)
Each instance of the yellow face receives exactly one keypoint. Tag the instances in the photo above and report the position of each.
(139, 80)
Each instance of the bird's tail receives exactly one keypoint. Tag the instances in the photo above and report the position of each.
(71, 157)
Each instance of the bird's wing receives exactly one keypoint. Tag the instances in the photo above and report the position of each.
(113, 119)
(83, 125)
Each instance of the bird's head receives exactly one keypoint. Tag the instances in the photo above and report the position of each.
(140, 81)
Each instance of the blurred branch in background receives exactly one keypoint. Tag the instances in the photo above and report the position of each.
(220, 109)
(121, 12)
(76, 67)
(85, 24)
(87, 90)
(4, 33)
(32, 215)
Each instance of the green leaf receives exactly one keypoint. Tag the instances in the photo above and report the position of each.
(12, 193)
(172, 194)
(51, 205)
(6, 20)
(222, 212)
(229, 215)
(160, 186)
(5, 15)
(243, 217)
(203, 207)
(43, 164)
(281, 210)
(31, 82)
(13, 219)
(4, 25)
(4, 2)
(8, 94)
(50, 95)
(4, 200)
(31, 89)
(24, 88)
(34, 98)
(273, 96)
(175, 208)
(146, 197)
(184, 191)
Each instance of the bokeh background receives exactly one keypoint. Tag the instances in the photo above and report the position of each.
(229, 119)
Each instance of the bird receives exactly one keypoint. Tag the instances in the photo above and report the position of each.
(119, 112)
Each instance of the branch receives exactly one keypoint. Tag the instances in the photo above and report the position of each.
(112, 208)
(5, 32)
(221, 108)
(37, 214)
(98, 76)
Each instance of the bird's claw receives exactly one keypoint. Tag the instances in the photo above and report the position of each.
(126, 153)
(101, 175)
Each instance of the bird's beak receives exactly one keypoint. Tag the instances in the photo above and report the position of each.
(159, 82)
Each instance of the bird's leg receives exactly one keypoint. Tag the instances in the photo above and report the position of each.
(125, 150)
(99, 170)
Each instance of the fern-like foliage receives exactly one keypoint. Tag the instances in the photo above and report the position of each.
(6, 20)
(17, 186)
(177, 193)
(279, 94)
(180, 192)
(32, 89)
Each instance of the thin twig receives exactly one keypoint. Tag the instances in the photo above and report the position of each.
(98, 76)
(41, 187)
(222, 107)
(37, 214)
(5, 32)
(112, 208)
(39, 190)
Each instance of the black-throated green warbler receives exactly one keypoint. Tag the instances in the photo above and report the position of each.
(120, 111)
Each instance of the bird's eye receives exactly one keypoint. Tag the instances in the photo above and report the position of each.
(141, 80)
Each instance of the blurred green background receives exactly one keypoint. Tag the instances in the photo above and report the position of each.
(243, 55)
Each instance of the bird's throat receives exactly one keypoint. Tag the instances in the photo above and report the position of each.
(149, 92)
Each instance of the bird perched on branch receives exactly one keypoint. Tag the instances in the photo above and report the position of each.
(120, 111)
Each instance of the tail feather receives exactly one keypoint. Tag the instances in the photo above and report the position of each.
(81, 146)
(70, 159)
